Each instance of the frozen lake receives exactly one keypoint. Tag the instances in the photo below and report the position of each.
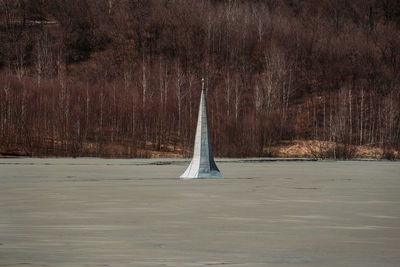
(106, 212)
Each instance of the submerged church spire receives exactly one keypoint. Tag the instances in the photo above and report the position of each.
(202, 164)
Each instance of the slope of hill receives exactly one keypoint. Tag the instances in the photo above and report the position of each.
(122, 77)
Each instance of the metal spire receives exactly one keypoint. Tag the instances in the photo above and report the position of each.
(202, 164)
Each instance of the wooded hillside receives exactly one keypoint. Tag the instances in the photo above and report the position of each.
(122, 78)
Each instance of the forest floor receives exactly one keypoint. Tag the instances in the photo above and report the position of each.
(285, 149)
(325, 149)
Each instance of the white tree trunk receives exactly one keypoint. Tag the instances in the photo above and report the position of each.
(144, 83)
(362, 117)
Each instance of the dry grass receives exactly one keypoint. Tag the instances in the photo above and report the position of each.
(326, 149)
(285, 149)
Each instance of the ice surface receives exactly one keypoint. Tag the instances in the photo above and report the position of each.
(104, 212)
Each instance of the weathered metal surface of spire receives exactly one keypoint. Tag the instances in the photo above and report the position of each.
(202, 164)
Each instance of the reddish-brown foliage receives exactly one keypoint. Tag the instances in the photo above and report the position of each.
(122, 77)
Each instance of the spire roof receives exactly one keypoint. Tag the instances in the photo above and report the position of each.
(202, 164)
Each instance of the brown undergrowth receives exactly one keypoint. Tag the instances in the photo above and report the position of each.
(330, 150)
(285, 149)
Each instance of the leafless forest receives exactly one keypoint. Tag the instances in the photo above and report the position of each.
(122, 78)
